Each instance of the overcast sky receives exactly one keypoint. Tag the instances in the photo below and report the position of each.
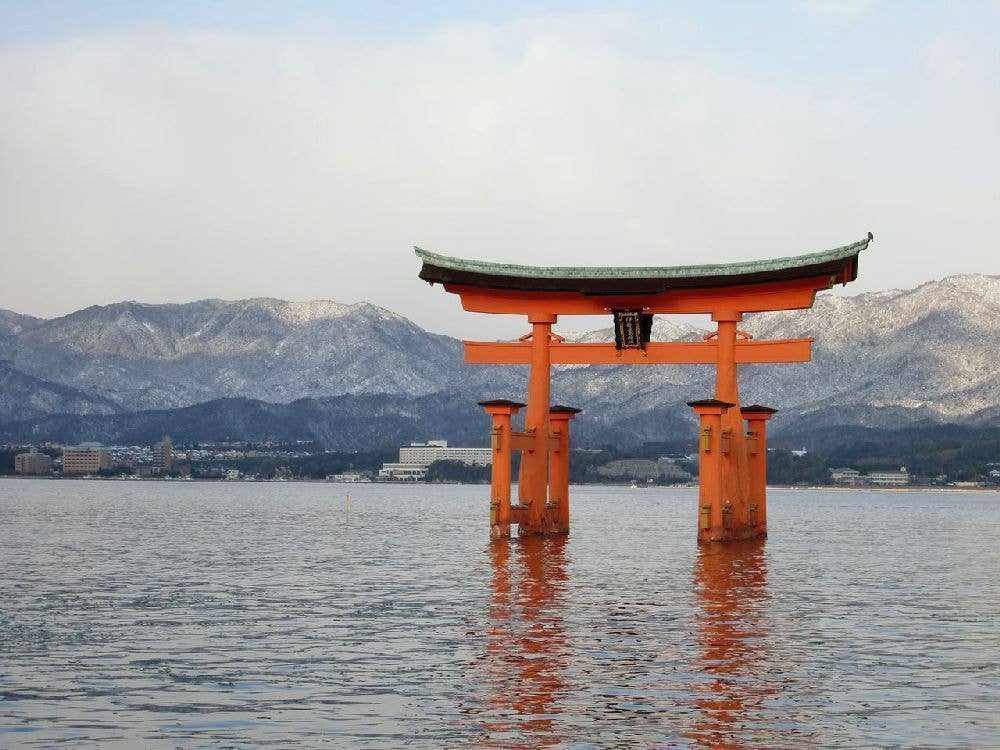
(298, 150)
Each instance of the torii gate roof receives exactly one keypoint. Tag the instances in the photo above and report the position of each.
(840, 263)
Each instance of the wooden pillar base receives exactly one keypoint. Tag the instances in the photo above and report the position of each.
(551, 522)
(730, 531)
(722, 534)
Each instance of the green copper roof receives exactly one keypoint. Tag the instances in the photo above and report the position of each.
(609, 279)
(643, 272)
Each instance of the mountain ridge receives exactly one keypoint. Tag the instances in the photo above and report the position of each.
(881, 359)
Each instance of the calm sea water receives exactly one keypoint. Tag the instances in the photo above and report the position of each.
(182, 615)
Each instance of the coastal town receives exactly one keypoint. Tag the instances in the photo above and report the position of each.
(433, 460)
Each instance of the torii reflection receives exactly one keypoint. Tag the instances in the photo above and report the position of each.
(731, 583)
(527, 665)
(526, 652)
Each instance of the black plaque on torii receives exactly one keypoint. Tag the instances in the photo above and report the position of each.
(633, 328)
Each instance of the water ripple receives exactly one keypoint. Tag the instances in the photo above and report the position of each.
(251, 615)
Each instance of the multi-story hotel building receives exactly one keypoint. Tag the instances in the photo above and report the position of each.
(415, 458)
(163, 455)
(87, 458)
(438, 450)
(32, 462)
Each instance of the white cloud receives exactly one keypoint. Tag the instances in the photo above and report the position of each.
(163, 165)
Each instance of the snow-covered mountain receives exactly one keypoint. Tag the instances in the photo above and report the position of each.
(144, 356)
(25, 397)
(881, 359)
(930, 354)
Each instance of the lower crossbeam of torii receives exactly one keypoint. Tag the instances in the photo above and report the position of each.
(732, 440)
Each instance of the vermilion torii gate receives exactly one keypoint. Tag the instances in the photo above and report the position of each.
(732, 455)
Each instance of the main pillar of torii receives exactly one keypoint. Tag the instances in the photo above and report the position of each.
(732, 445)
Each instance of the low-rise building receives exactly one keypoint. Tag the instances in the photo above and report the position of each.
(845, 475)
(630, 468)
(86, 458)
(899, 478)
(349, 476)
(664, 469)
(33, 463)
(403, 472)
(670, 471)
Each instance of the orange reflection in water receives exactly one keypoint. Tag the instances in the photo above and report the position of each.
(526, 650)
(526, 659)
(731, 584)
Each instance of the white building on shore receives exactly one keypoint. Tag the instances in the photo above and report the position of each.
(353, 477)
(416, 458)
(846, 475)
(899, 478)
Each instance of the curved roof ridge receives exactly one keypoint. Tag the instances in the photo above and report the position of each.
(643, 272)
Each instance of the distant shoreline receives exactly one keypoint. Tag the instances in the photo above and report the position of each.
(804, 488)
(910, 488)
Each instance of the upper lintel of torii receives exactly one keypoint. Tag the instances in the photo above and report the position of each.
(751, 286)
